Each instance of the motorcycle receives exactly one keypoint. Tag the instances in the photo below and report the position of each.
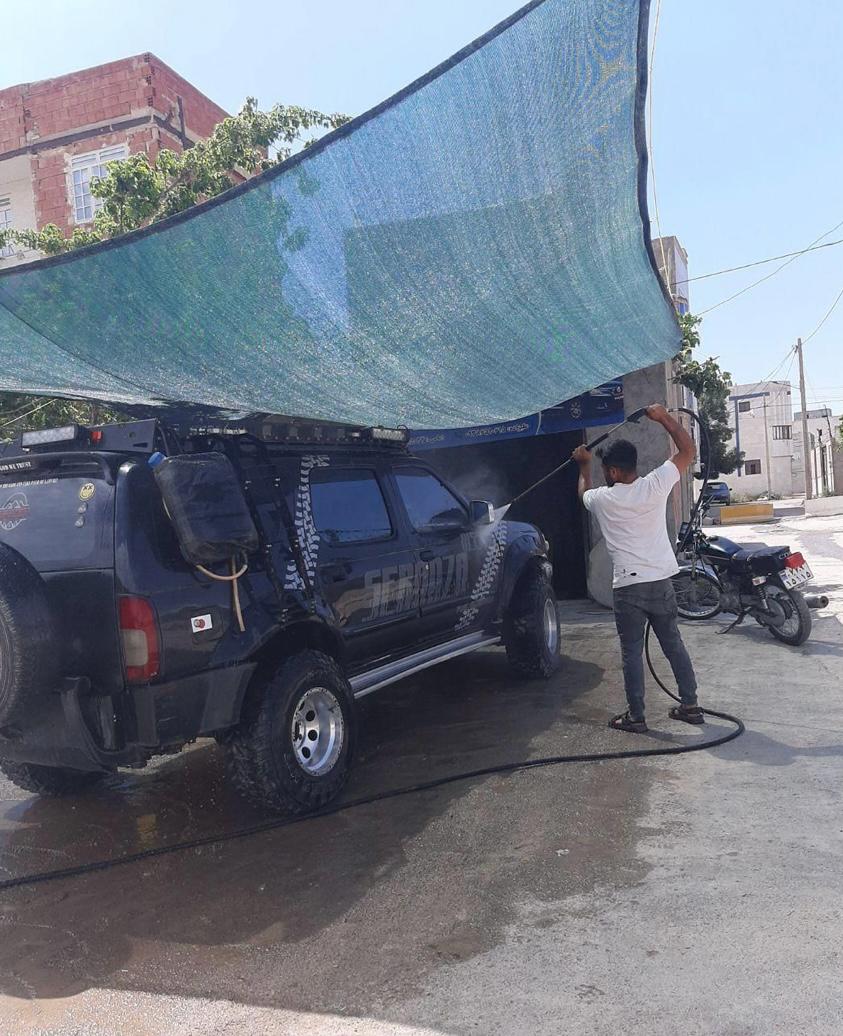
(718, 575)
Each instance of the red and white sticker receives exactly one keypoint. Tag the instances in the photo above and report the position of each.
(200, 623)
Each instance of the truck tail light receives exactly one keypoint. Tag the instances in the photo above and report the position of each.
(794, 560)
(139, 637)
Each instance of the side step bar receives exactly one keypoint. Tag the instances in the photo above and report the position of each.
(365, 683)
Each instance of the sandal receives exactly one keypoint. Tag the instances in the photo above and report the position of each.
(687, 714)
(627, 723)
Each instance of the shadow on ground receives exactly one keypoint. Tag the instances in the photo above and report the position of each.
(204, 922)
(347, 913)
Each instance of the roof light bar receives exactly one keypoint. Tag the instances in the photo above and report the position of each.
(48, 436)
(389, 434)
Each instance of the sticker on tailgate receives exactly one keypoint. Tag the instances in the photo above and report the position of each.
(14, 511)
(200, 623)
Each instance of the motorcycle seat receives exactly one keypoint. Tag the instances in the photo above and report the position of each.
(761, 559)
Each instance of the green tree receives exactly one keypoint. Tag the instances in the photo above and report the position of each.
(711, 386)
(19, 412)
(137, 192)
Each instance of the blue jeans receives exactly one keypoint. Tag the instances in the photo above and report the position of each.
(634, 605)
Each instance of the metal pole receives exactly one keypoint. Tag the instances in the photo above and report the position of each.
(767, 452)
(806, 441)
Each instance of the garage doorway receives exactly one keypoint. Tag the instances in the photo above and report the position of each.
(501, 470)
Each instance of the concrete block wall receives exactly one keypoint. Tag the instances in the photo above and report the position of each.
(822, 505)
(137, 101)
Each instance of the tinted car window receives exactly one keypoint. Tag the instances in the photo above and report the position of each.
(348, 506)
(429, 503)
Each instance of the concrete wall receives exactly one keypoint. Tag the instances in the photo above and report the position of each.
(770, 406)
(824, 505)
(650, 385)
(826, 457)
(16, 186)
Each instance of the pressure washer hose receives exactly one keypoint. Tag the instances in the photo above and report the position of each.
(424, 786)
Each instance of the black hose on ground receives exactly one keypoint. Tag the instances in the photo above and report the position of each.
(342, 807)
(412, 789)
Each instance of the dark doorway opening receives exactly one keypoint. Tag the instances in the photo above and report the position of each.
(501, 470)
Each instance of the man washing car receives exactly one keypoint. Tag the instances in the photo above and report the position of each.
(631, 513)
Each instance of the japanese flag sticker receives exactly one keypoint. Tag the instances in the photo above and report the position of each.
(200, 623)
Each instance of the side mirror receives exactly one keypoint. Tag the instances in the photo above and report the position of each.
(482, 512)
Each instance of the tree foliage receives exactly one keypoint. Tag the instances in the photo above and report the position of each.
(711, 386)
(19, 412)
(140, 191)
(137, 191)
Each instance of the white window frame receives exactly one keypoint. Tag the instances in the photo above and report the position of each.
(6, 223)
(782, 432)
(85, 168)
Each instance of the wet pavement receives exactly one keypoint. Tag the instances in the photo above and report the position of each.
(570, 899)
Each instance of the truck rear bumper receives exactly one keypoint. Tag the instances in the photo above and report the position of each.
(167, 714)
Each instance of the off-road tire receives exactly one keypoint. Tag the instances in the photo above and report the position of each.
(260, 753)
(803, 612)
(53, 781)
(530, 648)
(28, 646)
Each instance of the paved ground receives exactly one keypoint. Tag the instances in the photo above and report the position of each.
(698, 894)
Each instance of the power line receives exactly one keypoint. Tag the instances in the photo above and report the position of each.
(767, 276)
(759, 262)
(29, 413)
(787, 356)
(829, 311)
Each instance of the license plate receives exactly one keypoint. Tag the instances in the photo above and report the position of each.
(793, 577)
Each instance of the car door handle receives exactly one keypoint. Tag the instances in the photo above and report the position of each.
(335, 573)
(427, 555)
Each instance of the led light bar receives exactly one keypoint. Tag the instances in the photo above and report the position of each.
(389, 434)
(47, 436)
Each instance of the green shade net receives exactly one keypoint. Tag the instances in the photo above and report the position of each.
(474, 249)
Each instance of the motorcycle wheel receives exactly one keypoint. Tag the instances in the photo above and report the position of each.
(697, 595)
(796, 627)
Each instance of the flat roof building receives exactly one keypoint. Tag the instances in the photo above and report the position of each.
(56, 135)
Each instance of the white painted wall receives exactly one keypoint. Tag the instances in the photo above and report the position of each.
(823, 435)
(770, 407)
(824, 505)
(16, 185)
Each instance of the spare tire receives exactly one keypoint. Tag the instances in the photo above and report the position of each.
(28, 648)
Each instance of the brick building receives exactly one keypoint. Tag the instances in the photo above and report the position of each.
(56, 134)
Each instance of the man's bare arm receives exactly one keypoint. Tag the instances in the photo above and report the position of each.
(683, 441)
(583, 459)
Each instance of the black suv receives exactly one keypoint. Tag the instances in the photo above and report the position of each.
(155, 589)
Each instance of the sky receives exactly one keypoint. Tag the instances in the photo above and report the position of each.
(746, 137)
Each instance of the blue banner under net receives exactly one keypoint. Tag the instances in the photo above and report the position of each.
(473, 249)
(600, 406)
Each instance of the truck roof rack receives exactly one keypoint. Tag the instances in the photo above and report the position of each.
(151, 435)
(276, 430)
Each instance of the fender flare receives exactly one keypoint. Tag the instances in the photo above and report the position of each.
(522, 554)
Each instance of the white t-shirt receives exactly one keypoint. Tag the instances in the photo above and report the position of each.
(633, 522)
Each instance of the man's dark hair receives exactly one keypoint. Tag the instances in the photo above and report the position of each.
(620, 454)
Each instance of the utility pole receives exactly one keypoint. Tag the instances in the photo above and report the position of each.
(767, 451)
(806, 441)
